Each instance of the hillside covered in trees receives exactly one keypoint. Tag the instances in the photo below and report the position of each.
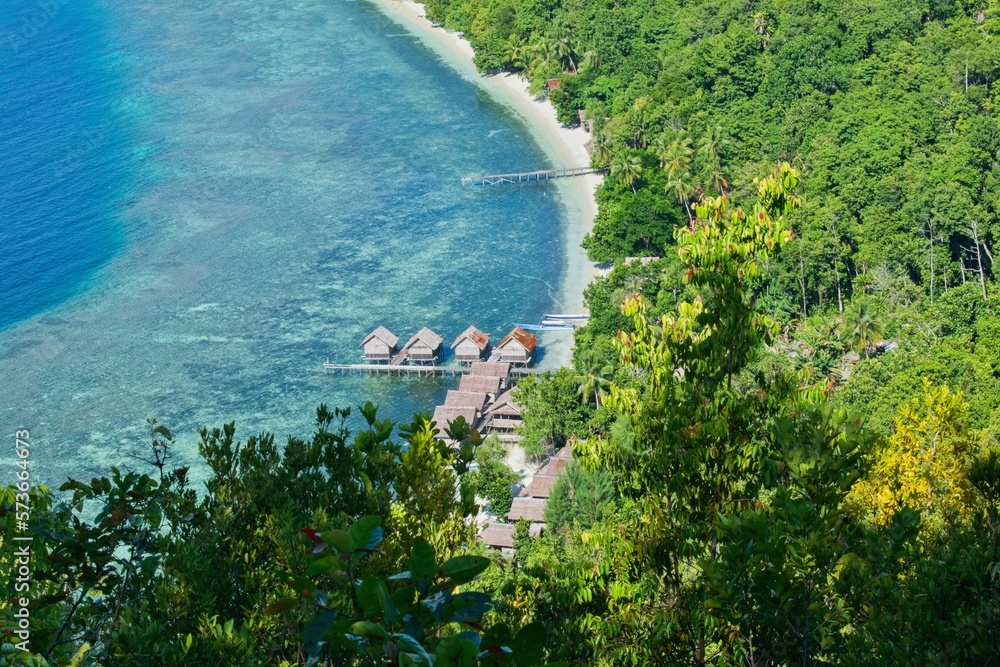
(785, 425)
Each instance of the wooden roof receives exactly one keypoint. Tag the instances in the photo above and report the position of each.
(521, 337)
(532, 509)
(505, 404)
(443, 414)
(475, 336)
(501, 535)
(500, 370)
(383, 335)
(540, 486)
(479, 383)
(565, 453)
(465, 399)
(554, 467)
(425, 336)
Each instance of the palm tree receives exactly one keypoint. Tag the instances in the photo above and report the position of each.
(562, 46)
(594, 381)
(517, 50)
(674, 154)
(601, 150)
(682, 188)
(718, 182)
(710, 145)
(626, 169)
(590, 60)
(544, 54)
(862, 328)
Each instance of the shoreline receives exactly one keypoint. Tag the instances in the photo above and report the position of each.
(564, 146)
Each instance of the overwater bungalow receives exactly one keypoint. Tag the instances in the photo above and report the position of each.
(471, 345)
(424, 347)
(517, 348)
(380, 346)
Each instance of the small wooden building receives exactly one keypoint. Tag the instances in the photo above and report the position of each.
(540, 486)
(445, 414)
(554, 467)
(471, 345)
(487, 384)
(380, 346)
(517, 348)
(424, 347)
(532, 509)
(587, 125)
(465, 399)
(504, 414)
(552, 84)
(501, 535)
(489, 369)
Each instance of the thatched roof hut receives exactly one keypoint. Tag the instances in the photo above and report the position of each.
(465, 399)
(487, 384)
(380, 345)
(503, 414)
(554, 467)
(423, 347)
(445, 414)
(517, 347)
(532, 509)
(489, 369)
(501, 535)
(540, 486)
(471, 345)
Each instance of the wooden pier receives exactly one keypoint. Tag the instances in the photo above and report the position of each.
(540, 176)
(415, 369)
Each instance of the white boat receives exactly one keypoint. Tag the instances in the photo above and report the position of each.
(545, 327)
(582, 316)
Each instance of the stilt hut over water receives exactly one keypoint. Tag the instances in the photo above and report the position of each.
(471, 345)
(424, 347)
(380, 346)
(517, 348)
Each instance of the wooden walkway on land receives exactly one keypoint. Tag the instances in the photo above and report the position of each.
(540, 176)
(415, 369)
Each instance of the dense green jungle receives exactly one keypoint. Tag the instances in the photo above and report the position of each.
(784, 410)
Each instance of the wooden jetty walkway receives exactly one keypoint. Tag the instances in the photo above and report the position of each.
(415, 369)
(540, 176)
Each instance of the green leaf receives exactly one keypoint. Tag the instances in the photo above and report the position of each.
(409, 645)
(463, 569)
(529, 645)
(325, 564)
(422, 560)
(368, 629)
(366, 533)
(280, 607)
(337, 539)
(317, 629)
(373, 596)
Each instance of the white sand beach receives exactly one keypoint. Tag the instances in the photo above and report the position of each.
(563, 145)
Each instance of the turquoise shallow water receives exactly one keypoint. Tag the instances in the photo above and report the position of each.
(205, 200)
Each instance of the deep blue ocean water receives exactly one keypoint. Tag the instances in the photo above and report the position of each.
(201, 201)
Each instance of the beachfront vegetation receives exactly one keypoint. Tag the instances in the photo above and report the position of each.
(785, 420)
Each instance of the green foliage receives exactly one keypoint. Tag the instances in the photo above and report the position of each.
(552, 411)
(578, 498)
(493, 477)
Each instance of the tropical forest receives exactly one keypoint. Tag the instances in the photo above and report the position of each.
(784, 412)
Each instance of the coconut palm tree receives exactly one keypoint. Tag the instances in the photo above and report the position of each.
(626, 169)
(517, 51)
(674, 153)
(601, 151)
(710, 146)
(683, 189)
(594, 381)
(862, 328)
(590, 60)
(563, 48)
